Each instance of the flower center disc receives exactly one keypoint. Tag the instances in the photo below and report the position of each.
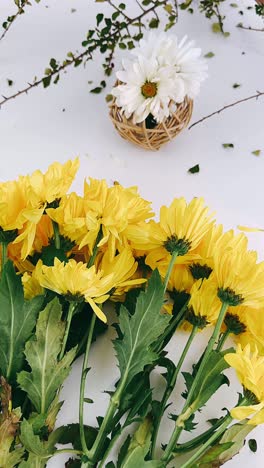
(149, 89)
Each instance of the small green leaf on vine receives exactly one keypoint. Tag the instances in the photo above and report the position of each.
(109, 97)
(96, 90)
(256, 152)
(228, 145)
(154, 23)
(236, 85)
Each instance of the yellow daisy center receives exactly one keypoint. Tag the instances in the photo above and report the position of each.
(149, 89)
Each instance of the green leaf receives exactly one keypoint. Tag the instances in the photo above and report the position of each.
(236, 85)
(34, 461)
(46, 81)
(209, 55)
(13, 458)
(212, 455)
(234, 5)
(34, 445)
(139, 447)
(252, 443)
(235, 434)
(154, 23)
(228, 145)
(17, 320)
(185, 5)
(70, 434)
(96, 90)
(140, 331)
(216, 28)
(9, 423)
(211, 379)
(256, 152)
(47, 374)
(99, 18)
(194, 169)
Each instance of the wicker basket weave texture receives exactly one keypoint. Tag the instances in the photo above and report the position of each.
(152, 139)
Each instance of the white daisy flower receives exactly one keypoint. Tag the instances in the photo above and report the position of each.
(146, 88)
(163, 70)
(190, 68)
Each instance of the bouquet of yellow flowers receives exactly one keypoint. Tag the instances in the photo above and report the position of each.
(63, 258)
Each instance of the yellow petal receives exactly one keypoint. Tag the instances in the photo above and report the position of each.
(96, 309)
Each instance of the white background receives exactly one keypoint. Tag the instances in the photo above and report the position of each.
(35, 131)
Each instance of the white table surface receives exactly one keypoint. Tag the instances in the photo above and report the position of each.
(35, 131)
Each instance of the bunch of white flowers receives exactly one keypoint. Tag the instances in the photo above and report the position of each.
(163, 70)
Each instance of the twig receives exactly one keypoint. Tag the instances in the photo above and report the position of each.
(38, 82)
(75, 59)
(255, 96)
(19, 12)
(249, 28)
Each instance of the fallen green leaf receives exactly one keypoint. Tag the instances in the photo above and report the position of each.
(194, 169)
(252, 443)
(209, 55)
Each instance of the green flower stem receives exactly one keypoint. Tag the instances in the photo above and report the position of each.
(208, 443)
(174, 323)
(72, 307)
(222, 339)
(225, 423)
(94, 453)
(170, 387)
(110, 446)
(171, 265)
(56, 234)
(83, 379)
(187, 409)
(67, 450)
(4, 246)
(196, 441)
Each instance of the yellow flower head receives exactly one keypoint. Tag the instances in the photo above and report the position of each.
(31, 285)
(53, 184)
(249, 324)
(203, 266)
(250, 371)
(204, 305)
(180, 229)
(114, 210)
(23, 202)
(70, 216)
(123, 266)
(76, 282)
(13, 201)
(239, 277)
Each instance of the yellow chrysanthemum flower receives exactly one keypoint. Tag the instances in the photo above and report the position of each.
(123, 266)
(23, 202)
(70, 216)
(13, 201)
(247, 325)
(204, 305)
(48, 187)
(180, 229)
(250, 371)
(239, 277)
(180, 277)
(31, 286)
(123, 208)
(76, 282)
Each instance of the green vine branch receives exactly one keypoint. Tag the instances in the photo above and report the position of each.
(254, 96)
(108, 33)
(21, 4)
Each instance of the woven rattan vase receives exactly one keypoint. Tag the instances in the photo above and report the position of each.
(152, 138)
